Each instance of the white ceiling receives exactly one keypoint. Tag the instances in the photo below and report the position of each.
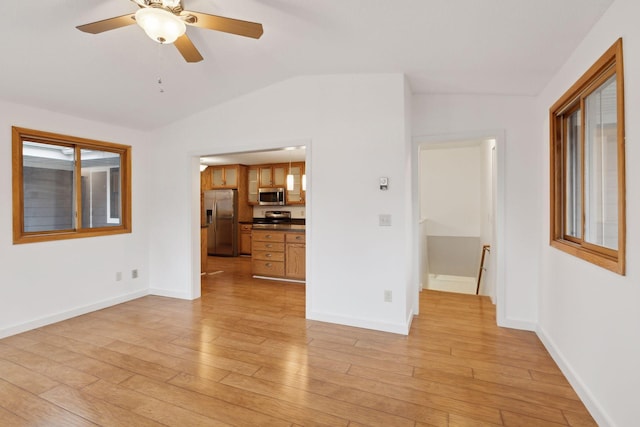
(443, 46)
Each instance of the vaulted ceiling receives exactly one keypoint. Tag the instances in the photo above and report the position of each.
(443, 46)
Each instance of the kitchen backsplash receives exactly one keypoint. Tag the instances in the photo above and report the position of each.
(297, 212)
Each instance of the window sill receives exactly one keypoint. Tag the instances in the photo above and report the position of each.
(610, 263)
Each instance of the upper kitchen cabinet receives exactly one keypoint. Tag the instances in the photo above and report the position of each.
(274, 175)
(253, 183)
(296, 195)
(224, 176)
(205, 179)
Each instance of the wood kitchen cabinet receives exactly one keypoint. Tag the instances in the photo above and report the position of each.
(205, 180)
(253, 184)
(296, 195)
(245, 239)
(225, 176)
(274, 175)
(267, 253)
(203, 249)
(278, 254)
(295, 256)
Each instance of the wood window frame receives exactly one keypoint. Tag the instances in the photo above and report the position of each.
(19, 136)
(609, 64)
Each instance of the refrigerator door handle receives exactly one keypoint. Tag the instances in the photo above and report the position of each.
(215, 215)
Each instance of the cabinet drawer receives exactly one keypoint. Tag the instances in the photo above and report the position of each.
(266, 246)
(268, 268)
(268, 256)
(295, 238)
(268, 236)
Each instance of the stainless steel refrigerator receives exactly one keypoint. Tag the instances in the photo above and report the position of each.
(221, 210)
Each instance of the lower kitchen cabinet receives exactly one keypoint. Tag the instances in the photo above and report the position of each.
(278, 254)
(245, 239)
(295, 265)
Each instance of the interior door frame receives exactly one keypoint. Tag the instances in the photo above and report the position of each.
(421, 142)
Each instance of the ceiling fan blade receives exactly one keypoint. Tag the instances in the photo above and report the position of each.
(108, 24)
(226, 25)
(187, 49)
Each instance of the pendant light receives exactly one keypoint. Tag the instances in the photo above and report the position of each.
(289, 177)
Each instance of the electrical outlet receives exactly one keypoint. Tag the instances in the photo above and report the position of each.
(384, 220)
(388, 295)
(118, 276)
(134, 273)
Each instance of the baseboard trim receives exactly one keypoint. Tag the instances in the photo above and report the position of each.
(395, 328)
(58, 317)
(523, 325)
(597, 412)
(279, 279)
(170, 294)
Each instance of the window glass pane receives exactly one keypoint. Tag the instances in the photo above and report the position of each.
(48, 186)
(573, 180)
(101, 193)
(601, 166)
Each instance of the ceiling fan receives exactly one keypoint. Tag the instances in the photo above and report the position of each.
(165, 22)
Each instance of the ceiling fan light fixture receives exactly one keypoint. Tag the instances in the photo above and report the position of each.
(160, 25)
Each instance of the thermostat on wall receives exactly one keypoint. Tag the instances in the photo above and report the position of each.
(384, 183)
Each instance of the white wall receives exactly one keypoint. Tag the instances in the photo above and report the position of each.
(441, 117)
(450, 191)
(354, 128)
(46, 282)
(590, 317)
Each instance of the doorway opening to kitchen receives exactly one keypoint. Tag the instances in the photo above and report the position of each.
(248, 199)
(459, 219)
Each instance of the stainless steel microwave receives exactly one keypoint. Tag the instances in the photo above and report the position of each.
(271, 196)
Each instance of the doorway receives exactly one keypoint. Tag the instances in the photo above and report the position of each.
(241, 164)
(459, 203)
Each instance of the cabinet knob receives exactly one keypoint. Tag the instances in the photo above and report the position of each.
(269, 245)
(268, 255)
(297, 237)
(268, 264)
(268, 236)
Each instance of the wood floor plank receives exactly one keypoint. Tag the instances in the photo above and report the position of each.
(244, 355)
(47, 367)
(24, 378)
(438, 405)
(148, 406)
(579, 418)
(96, 410)
(457, 391)
(211, 407)
(319, 402)
(9, 419)
(456, 420)
(273, 406)
(511, 419)
(36, 410)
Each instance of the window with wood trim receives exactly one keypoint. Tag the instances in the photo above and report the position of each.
(65, 187)
(588, 165)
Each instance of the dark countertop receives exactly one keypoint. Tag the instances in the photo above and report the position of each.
(280, 227)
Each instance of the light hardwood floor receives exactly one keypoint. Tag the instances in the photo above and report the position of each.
(244, 355)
